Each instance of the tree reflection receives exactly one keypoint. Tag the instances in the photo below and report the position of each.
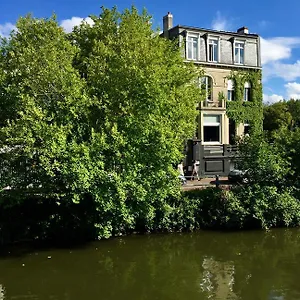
(2, 292)
(217, 279)
(203, 265)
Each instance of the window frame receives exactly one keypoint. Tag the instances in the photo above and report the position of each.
(207, 91)
(243, 42)
(247, 92)
(187, 42)
(212, 124)
(230, 90)
(210, 40)
(246, 125)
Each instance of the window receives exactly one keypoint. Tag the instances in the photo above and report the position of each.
(213, 50)
(232, 132)
(230, 90)
(247, 91)
(192, 47)
(239, 52)
(212, 128)
(206, 84)
(246, 129)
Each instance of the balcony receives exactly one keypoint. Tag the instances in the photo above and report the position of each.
(213, 104)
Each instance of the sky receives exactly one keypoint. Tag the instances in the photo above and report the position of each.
(275, 21)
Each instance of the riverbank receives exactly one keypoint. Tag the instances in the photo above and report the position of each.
(241, 207)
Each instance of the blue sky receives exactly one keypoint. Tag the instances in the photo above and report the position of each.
(275, 21)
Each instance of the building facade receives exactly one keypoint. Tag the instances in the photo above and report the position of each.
(231, 62)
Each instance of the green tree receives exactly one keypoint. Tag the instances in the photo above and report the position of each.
(294, 109)
(266, 164)
(101, 114)
(277, 116)
(144, 101)
(45, 99)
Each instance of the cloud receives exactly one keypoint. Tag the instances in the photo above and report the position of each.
(274, 51)
(69, 24)
(277, 48)
(272, 98)
(286, 71)
(6, 28)
(220, 22)
(293, 90)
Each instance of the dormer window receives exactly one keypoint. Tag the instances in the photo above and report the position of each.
(213, 49)
(192, 47)
(239, 52)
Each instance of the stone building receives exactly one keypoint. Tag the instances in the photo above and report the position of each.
(220, 54)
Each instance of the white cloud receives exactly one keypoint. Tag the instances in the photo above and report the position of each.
(272, 98)
(6, 28)
(278, 48)
(69, 24)
(286, 71)
(293, 90)
(274, 51)
(220, 22)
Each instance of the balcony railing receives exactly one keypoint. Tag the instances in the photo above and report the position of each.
(213, 104)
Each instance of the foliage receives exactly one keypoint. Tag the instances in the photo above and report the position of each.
(250, 111)
(250, 206)
(281, 116)
(265, 163)
(99, 114)
(46, 102)
(93, 122)
(243, 207)
(277, 116)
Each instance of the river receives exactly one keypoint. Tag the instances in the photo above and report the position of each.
(202, 265)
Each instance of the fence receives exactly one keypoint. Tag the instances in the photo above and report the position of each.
(214, 159)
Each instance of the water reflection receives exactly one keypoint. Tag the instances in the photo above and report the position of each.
(203, 265)
(2, 291)
(217, 279)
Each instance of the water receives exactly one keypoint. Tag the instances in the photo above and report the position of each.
(203, 265)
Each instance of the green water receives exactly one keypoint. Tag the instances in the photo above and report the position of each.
(204, 265)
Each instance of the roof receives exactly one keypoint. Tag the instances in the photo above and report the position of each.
(231, 33)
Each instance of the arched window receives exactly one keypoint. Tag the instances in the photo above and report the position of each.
(247, 91)
(230, 90)
(207, 85)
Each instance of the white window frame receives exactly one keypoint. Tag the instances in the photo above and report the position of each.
(210, 40)
(239, 55)
(246, 125)
(197, 54)
(230, 88)
(246, 96)
(212, 124)
(207, 92)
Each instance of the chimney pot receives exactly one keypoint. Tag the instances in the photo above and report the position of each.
(243, 30)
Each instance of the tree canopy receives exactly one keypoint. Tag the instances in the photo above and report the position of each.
(101, 114)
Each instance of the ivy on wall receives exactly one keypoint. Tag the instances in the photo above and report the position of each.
(251, 111)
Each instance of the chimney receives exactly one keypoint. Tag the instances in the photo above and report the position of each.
(243, 30)
(167, 23)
